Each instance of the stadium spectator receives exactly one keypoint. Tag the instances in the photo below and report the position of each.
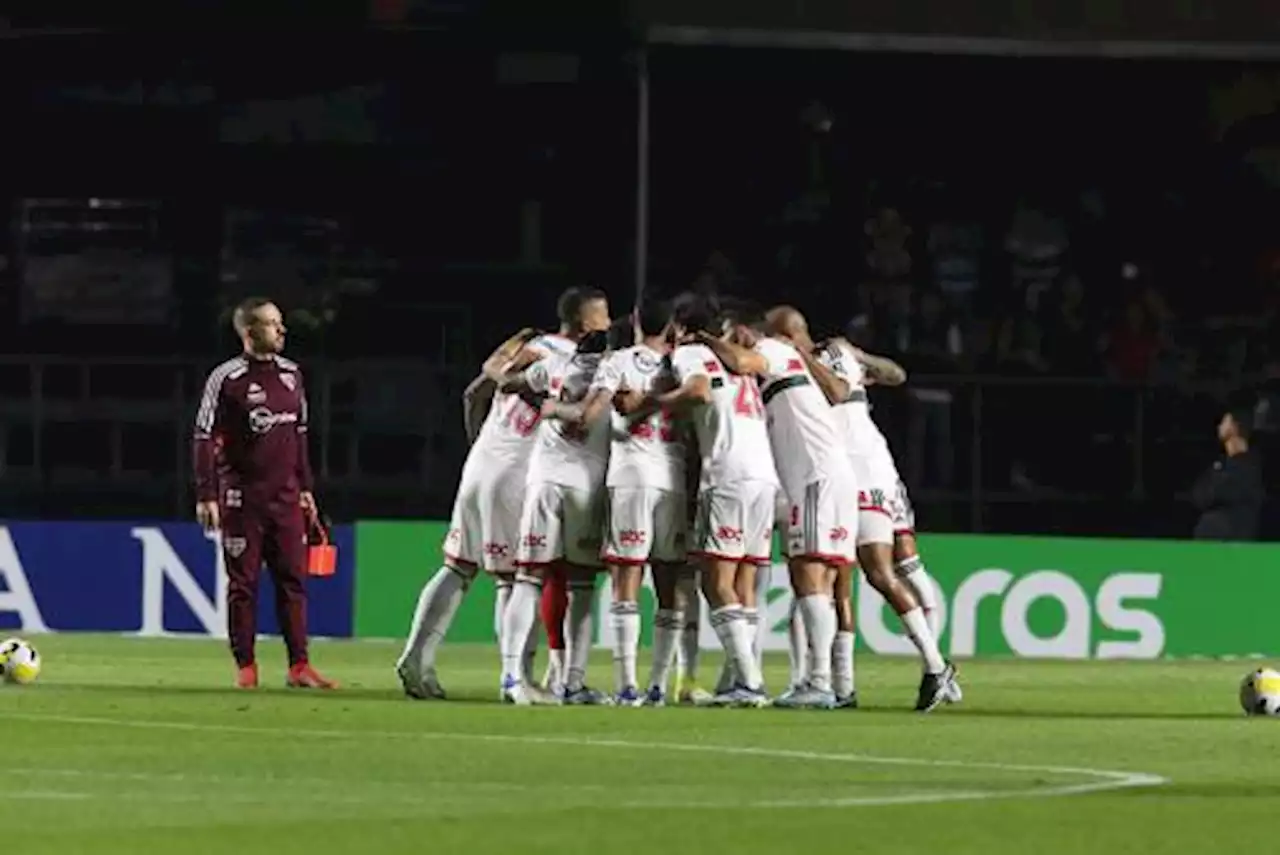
(1229, 494)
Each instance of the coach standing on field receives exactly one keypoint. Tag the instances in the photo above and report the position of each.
(253, 484)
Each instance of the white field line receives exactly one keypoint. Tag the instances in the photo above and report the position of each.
(1102, 780)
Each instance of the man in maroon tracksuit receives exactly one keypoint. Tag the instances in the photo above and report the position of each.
(253, 484)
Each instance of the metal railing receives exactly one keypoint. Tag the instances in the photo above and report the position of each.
(387, 436)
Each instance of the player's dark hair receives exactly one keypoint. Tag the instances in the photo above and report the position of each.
(653, 315)
(696, 312)
(622, 333)
(570, 304)
(244, 311)
(594, 342)
(742, 312)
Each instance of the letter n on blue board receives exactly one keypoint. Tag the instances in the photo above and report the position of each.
(93, 576)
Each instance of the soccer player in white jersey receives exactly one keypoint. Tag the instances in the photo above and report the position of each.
(486, 513)
(561, 522)
(647, 505)
(820, 486)
(736, 490)
(873, 525)
(884, 515)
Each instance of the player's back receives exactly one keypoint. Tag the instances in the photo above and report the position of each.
(861, 435)
(802, 426)
(566, 453)
(506, 437)
(733, 439)
(650, 452)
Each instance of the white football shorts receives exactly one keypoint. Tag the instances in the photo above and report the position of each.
(876, 491)
(824, 522)
(735, 522)
(902, 511)
(560, 524)
(485, 525)
(645, 525)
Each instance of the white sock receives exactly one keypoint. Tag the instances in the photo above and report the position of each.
(911, 570)
(667, 627)
(624, 616)
(688, 651)
(842, 673)
(578, 638)
(819, 615)
(731, 629)
(437, 604)
(918, 628)
(530, 654)
(518, 620)
(554, 676)
(764, 579)
(797, 646)
(751, 617)
(502, 596)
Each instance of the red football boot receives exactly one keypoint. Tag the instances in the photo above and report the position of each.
(247, 677)
(303, 676)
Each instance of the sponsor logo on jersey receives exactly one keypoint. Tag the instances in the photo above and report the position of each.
(729, 533)
(838, 534)
(262, 420)
(235, 546)
(496, 550)
(255, 394)
(631, 537)
(289, 382)
(535, 541)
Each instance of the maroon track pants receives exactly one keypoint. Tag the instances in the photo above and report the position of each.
(274, 535)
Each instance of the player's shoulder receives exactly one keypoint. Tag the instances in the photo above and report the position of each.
(288, 365)
(231, 369)
(775, 348)
(553, 344)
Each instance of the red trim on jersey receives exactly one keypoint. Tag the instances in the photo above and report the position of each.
(910, 531)
(743, 559)
(877, 509)
(461, 562)
(624, 562)
(536, 564)
(838, 560)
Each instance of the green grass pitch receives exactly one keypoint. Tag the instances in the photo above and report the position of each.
(134, 746)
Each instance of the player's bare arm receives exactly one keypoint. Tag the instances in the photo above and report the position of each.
(879, 369)
(736, 358)
(695, 390)
(512, 351)
(511, 378)
(476, 400)
(834, 387)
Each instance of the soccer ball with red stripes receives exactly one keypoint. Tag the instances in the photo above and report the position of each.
(1260, 693)
(19, 662)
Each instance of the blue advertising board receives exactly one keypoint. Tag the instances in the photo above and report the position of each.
(146, 578)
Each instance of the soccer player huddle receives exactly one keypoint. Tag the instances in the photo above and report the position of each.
(677, 439)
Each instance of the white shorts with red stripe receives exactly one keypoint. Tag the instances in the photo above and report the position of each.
(824, 521)
(645, 525)
(735, 522)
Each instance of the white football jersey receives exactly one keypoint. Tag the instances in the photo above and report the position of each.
(507, 433)
(862, 436)
(564, 453)
(807, 445)
(732, 437)
(651, 452)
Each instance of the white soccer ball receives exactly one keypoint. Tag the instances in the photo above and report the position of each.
(19, 662)
(1260, 693)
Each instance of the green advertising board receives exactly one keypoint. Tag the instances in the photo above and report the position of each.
(1001, 596)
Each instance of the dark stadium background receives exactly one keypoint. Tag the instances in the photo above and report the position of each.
(411, 191)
